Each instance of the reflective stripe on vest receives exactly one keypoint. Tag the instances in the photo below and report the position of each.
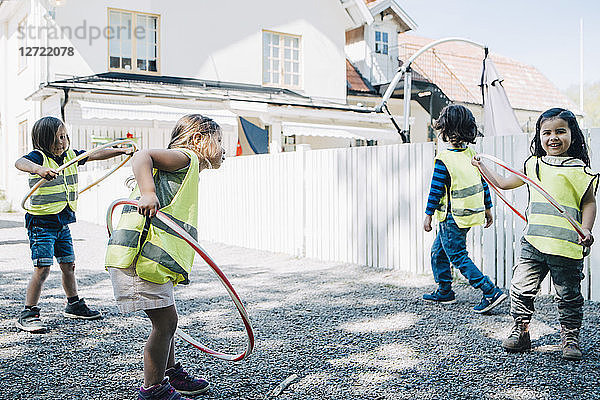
(159, 254)
(466, 191)
(547, 230)
(53, 196)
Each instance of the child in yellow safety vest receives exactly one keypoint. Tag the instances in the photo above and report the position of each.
(52, 209)
(460, 199)
(560, 163)
(145, 259)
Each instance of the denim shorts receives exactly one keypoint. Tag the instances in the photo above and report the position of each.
(47, 243)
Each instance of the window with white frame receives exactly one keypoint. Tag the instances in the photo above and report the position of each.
(23, 133)
(381, 42)
(281, 59)
(22, 45)
(133, 43)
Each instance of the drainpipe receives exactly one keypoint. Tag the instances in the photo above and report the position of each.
(63, 104)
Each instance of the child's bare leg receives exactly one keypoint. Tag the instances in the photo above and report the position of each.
(171, 359)
(69, 283)
(159, 348)
(34, 288)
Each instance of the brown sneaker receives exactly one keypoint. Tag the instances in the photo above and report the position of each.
(518, 341)
(570, 344)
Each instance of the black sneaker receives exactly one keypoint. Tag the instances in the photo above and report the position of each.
(185, 383)
(80, 310)
(161, 391)
(30, 321)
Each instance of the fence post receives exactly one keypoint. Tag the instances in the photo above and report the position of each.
(301, 150)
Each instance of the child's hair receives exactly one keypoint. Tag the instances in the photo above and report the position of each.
(43, 133)
(456, 124)
(578, 148)
(207, 147)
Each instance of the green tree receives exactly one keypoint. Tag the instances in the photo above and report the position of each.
(591, 102)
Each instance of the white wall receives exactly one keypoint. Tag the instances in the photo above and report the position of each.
(219, 41)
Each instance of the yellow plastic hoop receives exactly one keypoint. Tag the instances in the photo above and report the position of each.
(77, 159)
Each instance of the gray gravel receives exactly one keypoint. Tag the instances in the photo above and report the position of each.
(348, 332)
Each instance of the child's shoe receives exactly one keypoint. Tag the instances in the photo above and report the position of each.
(490, 301)
(80, 310)
(570, 344)
(184, 382)
(160, 391)
(439, 296)
(30, 321)
(518, 341)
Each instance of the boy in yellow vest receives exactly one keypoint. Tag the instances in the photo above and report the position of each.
(460, 199)
(52, 209)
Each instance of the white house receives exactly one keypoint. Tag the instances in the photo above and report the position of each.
(111, 67)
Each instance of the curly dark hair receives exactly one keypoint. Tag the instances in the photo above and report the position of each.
(578, 148)
(456, 124)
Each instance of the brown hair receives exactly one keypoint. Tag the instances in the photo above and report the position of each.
(206, 145)
(43, 133)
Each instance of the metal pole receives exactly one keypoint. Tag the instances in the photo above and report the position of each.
(407, 96)
(406, 66)
(581, 65)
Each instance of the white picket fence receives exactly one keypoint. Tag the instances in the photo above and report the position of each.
(362, 205)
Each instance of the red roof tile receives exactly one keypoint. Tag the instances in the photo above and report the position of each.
(354, 80)
(456, 68)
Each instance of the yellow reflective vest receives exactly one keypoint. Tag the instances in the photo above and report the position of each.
(53, 196)
(566, 179)
(158, 253)
(466, 189)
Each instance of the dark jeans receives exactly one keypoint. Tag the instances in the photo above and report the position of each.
(450, 246)
(528, 275)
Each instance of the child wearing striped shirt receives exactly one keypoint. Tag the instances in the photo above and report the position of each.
(460, 199)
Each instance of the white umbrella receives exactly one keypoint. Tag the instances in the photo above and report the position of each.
(498, 116)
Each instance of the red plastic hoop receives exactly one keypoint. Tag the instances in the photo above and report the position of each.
(533, 184)
(78, 158)
(230, 290)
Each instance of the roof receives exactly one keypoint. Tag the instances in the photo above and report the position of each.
(456, 68)
(186, 88)
(382, 6)
(356, 82)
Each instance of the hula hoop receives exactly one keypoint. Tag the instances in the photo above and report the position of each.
(77, 159)
(230, 290)
(533, 184)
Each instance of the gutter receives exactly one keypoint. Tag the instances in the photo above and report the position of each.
(149, 93)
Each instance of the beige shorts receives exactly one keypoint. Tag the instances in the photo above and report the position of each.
(134, 293)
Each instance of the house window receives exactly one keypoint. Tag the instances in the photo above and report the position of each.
(22, 43)
(23, 137)
(133, 44)
(281, 60)
(381, 42)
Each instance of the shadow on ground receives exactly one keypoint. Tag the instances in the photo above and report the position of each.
(348, 333)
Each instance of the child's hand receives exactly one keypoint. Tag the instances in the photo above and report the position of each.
(427, 223)
(588, 240)
(47, 173)
(489, 218)
(127, 150)
(148, 205)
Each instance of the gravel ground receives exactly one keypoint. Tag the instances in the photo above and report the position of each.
(346, 331)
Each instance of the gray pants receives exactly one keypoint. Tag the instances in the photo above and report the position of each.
(528, 275)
